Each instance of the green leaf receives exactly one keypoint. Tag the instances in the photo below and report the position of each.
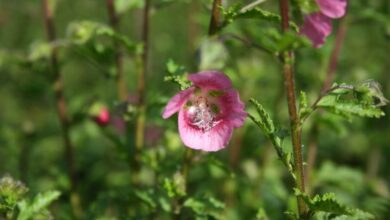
(346, 100)
(176, 186)
(328, 203)
(40, 50)
(370, 91)
(265, 123)
(81, 32)
(146, 196)
(205, 206)
(347, 107)
(37, 206)
(177, 75)
(234, 12)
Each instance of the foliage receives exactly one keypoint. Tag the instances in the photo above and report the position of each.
(15, 205)
(363, 100)
(38, 206)
(346, 163)
(11, 192)
(327, 203)
(266, 124)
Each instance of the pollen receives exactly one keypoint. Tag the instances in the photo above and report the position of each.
(201, 115)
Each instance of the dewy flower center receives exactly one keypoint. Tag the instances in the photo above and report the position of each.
(200, 114)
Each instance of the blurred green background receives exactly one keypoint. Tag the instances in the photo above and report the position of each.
(235, 183)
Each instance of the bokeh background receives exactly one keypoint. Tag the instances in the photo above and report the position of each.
(235, 183)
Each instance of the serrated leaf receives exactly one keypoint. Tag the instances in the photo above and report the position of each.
(234, 12)
(265, 123)
(372, 91)
(328, 203)
(177, 75)
(324, 203)
(346, 108)
(38, 205)
(346, 100)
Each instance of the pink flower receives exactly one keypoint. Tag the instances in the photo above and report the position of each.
(208, 111)
(317, 26)
(103, 117)
(332, 8)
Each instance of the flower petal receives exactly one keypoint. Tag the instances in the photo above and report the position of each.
(210, 80)
(316, 27)
(177, 102)
(333, 8)
(213, 140)
(232, 108)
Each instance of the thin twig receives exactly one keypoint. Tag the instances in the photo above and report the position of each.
(314, 106)
(61, 107)
(114, 22)
(215, 18)
(251, 5)
(245, 41)
(292, 109)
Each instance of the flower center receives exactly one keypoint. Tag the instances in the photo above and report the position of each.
(201, 116)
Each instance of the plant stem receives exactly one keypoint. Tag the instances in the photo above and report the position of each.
(114, 22)
(61, 107)
(289, 83)
(214, 20)
(143, 64)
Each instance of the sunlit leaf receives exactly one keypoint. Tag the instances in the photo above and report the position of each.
(37, 206)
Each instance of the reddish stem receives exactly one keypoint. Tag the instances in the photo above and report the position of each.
(334, 57)
(214, 20)
(289, 83)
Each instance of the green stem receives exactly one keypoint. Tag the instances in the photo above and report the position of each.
(62, 108)
(114, 22)
(143, 64)
(288, 71)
